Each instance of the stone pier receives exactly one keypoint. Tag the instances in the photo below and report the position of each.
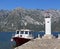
(41, 44)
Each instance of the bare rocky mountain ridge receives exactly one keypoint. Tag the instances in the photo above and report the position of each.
(10, 20)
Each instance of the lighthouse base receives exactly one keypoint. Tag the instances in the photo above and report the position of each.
(47, 36)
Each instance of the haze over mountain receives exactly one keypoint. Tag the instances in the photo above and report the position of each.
(11, 20)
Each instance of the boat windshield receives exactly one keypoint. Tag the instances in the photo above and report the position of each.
(26, 32)
(22, 32)
(30, 33)
(17, 32)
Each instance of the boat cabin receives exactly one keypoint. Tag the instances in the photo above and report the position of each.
(23, 33)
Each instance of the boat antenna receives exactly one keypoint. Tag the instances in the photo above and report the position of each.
(25, 24)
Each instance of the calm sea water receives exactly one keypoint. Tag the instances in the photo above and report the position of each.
(5, 38)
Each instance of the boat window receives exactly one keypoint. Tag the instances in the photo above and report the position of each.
(17, 32)
(22, 32)
(30, 32)
(26, 32)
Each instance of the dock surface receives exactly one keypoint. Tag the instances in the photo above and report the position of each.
(41, 44)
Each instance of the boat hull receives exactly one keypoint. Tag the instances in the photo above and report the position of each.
(19, 41)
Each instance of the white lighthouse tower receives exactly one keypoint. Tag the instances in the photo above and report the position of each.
(47, 26)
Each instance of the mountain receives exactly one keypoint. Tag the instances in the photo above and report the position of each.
(11, 20)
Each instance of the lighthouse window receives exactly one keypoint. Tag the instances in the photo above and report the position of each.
(26, 32)
(48, 22)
